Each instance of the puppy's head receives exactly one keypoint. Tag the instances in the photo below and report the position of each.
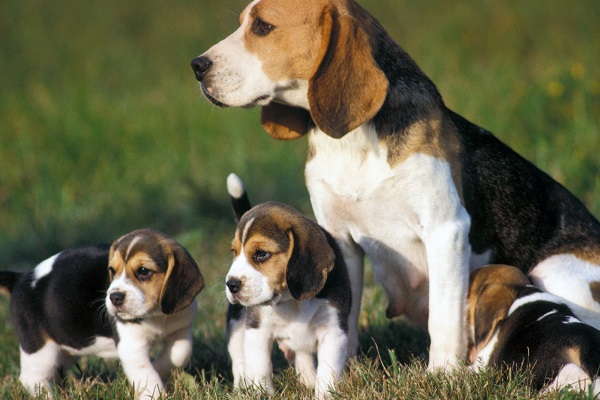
(276, 249)
(492, 290)
(304, 61)
(150, 274)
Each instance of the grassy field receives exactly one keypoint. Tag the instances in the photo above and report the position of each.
(103, 130)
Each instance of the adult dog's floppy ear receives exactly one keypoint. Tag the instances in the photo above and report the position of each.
(348, 87)
(311, 260)
(285, 122)
(183, 281)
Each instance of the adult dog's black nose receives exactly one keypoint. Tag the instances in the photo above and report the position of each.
(201, 65)
(117, 298)
(234, 285)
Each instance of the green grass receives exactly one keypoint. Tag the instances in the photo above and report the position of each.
(103, 130)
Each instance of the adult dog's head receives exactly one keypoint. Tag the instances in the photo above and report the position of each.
(304, 61)
(150, 274)
(277, 249)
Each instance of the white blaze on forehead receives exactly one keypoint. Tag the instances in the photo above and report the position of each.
(133, 242)
(43, 269)
(245, 231)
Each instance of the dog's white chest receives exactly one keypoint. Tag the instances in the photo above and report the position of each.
(388, 210)
(296, 325)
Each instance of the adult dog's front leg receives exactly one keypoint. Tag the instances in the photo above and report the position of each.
(448, 253)
(257, 356)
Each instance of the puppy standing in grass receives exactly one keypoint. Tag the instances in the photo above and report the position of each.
(395, 175)
(514, 324)
(108, 301)
(288, 282)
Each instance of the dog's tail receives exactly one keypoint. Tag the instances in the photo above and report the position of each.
(8, 280)
(239, 198)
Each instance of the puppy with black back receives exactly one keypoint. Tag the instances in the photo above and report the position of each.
(107, 301)
(516, 325)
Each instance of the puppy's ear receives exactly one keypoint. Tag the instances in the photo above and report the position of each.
(311, 259)
(285, 122)
(183, 281)
(348, 87)
(491, 307)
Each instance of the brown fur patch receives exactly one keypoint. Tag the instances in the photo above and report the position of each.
(291, 50)
(595, 289)
(436, 136)
(275, 267)
(573, 354)
(590, 254)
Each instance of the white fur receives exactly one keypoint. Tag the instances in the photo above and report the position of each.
(306, 327)
(43, 269)
(136, 341)
(573, 377)
(235, 187)
(569, 277)
(521, 301)
(415, 234)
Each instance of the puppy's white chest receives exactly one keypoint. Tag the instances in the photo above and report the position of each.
(295, 325)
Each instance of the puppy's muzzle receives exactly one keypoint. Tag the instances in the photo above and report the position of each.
(234, 285)
(201, 65)
(117, 299)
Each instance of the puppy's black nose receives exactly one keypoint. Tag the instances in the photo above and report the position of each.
(234, 285)
(201, 65)
(117, 298)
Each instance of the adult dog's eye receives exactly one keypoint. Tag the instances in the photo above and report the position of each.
(260, 256)
(143, 274)
(261, 28)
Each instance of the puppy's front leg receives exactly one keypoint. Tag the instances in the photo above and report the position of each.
(176, 353)
(134, 354)
(257, 355)
(332, 355)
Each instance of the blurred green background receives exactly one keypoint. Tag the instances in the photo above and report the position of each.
(103, 128)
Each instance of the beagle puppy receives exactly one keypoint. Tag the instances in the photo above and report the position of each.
(514, 324)
(395, 175)
(288, 282)
(108, 301)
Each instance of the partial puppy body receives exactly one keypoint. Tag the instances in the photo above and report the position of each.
(394, 174)
(288, 282)
(516, 325)
(108, 301)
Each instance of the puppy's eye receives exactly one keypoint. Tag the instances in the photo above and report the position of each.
(143, 274)
(260, 256)
(111, 272)
(261, 28)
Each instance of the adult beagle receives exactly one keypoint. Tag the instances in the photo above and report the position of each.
(514, 324)
(394, 174)
(108, 301)
(288, 282)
